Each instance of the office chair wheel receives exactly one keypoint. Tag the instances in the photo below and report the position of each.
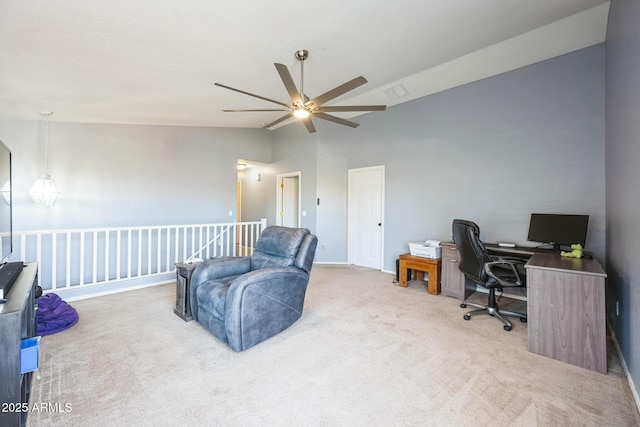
(463, 305)
(523, 320)
(507, 328)
(466, 316)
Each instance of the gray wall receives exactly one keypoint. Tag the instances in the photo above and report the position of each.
(493, 151)
(322, 159)
(125, 175)
(332, 175)
(295, 150)
(257, 195)
(623, 175)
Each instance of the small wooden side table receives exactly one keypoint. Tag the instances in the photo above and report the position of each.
(183, 297)
(421, 265)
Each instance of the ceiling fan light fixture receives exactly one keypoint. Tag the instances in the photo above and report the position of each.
(301, 113)
(301, 107)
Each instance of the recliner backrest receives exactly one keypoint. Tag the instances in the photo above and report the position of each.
(307, 252)
(473, 255)
(278, 247)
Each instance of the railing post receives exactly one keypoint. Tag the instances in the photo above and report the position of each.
(234, 252)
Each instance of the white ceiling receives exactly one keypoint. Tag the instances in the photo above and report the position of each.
(155, 61)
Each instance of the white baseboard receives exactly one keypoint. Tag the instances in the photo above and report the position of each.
(76, 293)
(634, 390)
(329, 263)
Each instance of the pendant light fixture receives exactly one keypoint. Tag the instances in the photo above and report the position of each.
(6, 191)
(44, 191)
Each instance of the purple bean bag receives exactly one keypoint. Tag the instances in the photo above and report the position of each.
(54, 315)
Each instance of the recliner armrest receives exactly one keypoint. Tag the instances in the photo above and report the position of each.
(274, 282)
(262, 303)
(218, 267)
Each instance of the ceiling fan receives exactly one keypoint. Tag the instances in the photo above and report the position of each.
(303, 107)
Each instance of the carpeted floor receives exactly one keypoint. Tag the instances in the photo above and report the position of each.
(365, 353)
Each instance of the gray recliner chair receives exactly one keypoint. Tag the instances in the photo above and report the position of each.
(245, 300)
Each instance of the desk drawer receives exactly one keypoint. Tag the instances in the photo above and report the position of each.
(450, 252)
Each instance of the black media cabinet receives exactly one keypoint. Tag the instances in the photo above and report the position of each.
(17, 321)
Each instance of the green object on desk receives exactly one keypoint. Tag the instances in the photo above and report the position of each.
(575, 253)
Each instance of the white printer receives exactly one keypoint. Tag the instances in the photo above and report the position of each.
(427, 249)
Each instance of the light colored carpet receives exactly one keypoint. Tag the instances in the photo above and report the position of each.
(365, 353)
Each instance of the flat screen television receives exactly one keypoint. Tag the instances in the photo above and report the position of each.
(558, 229)
(9, 271)
(5, 204)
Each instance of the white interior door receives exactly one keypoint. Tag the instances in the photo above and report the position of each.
(288, 200)
(365, 212)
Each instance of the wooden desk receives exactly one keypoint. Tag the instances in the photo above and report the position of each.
(421, 265)
(566, 310)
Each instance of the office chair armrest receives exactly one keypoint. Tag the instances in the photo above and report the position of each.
(511, 258)
(508, 264)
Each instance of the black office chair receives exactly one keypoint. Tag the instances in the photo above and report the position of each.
(493, 273)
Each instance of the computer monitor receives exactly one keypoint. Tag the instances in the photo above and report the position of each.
(558, 229)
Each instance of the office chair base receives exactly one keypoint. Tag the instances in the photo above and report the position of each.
(472, 304)
(495, 312)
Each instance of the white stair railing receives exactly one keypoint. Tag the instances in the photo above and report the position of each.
(68, 259)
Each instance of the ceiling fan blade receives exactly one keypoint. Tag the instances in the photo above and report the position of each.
(335, 119)
(336, 92)
(337, 108)
(251, 94)
(309, 124)
(285, 75)
(281, 119)
(244, 111)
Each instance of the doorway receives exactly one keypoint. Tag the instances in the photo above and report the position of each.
(288, 189)
(365, 210)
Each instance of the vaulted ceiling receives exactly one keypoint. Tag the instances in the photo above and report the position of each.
(155, 62)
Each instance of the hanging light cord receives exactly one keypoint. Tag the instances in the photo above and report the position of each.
(46, 115)
(46, 144)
